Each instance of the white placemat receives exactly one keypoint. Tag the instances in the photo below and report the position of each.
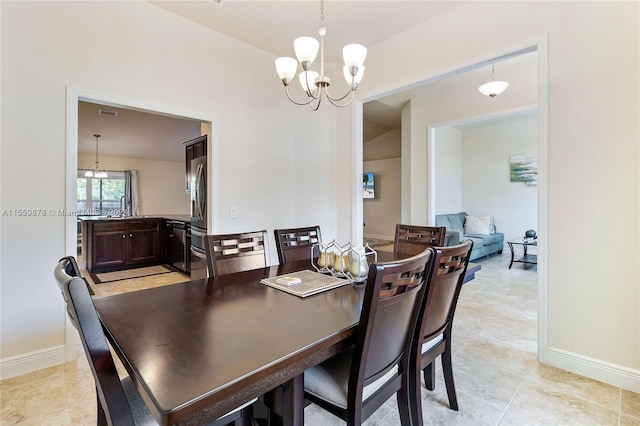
(311, 283)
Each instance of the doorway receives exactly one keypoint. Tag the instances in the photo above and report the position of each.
(417, 183)
(73, 98)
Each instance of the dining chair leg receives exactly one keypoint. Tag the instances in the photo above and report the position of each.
(404, 401)
(447, 370)
(415, 395)
(430, 376)
(101, 416)
(247, 417)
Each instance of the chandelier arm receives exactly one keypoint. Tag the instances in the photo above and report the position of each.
(315, 94)
(286, 89)
(335, 101)
(350, 92)
(319, 99)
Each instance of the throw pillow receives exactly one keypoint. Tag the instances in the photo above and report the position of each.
(478, 225)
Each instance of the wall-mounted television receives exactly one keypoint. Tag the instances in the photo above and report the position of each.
(368, 188)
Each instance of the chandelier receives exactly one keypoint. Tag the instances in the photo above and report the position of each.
(316, 85)
(97, 172)
(493, 88)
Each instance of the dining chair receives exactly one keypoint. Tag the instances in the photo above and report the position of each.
(436, 323)
(229, 253)
(412, 239)
(118, 401)
(67, 269)
(296, 243)
(355, 383)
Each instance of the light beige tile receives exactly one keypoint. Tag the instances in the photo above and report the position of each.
(538, 403)
(630, 404)
(562, 384)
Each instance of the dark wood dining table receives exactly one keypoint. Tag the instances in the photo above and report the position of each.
(199, 349)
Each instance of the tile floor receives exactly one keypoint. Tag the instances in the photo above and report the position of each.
(498, 379)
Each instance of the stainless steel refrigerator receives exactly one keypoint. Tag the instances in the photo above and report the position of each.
(198, 217)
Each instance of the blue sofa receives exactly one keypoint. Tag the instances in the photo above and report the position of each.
(483, 244)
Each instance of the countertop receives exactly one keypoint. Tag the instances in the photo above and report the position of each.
(178, 217)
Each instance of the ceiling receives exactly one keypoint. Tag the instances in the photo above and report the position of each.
(132, 134)
(272, 26)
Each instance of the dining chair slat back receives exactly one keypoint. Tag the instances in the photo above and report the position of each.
(412, 239)
(377, 366)
(436, 321)
(229, 253)
(296, 243)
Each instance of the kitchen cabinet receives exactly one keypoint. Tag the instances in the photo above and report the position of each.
(108, 245)
(194, 148)
(123, 243)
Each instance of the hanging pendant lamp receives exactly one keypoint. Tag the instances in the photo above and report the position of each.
(493, 88)
(97, 172)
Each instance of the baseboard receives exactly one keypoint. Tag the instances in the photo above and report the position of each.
(380, 237)
(601, 371)
(32, 361)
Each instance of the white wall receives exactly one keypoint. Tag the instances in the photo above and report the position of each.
(161, 184)
(387, 145)
(486, 186)
(592, 294)
(382, 213)
(154, 58)
(448, 170)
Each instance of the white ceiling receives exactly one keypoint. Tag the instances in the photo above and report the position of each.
(132, 133)
(272, 26)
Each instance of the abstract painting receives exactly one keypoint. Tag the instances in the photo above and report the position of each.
(524, 169)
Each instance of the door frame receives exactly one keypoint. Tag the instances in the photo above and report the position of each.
(539, 43)
(76, 94)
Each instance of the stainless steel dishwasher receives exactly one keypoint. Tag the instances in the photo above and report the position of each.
(179, 246)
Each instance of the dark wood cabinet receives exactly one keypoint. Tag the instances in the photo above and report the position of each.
(123, 243)
(194, 148)
(108, 245)
(144, 241)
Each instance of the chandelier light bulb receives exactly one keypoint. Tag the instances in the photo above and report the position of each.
(349, 78)
(354, 55)
(306, 49)
(286, 68)
(310, 78)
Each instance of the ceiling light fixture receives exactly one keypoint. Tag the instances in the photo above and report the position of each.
(314, 84)
(97, 173)
(493, 88)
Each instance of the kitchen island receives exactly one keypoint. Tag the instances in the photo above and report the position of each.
(116, 243)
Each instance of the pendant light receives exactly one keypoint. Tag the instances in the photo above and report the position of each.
(97, 172)
(493, 88)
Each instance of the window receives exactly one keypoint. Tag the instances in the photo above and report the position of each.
(100, 197)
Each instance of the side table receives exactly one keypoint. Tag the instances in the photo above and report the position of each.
(526, 257)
